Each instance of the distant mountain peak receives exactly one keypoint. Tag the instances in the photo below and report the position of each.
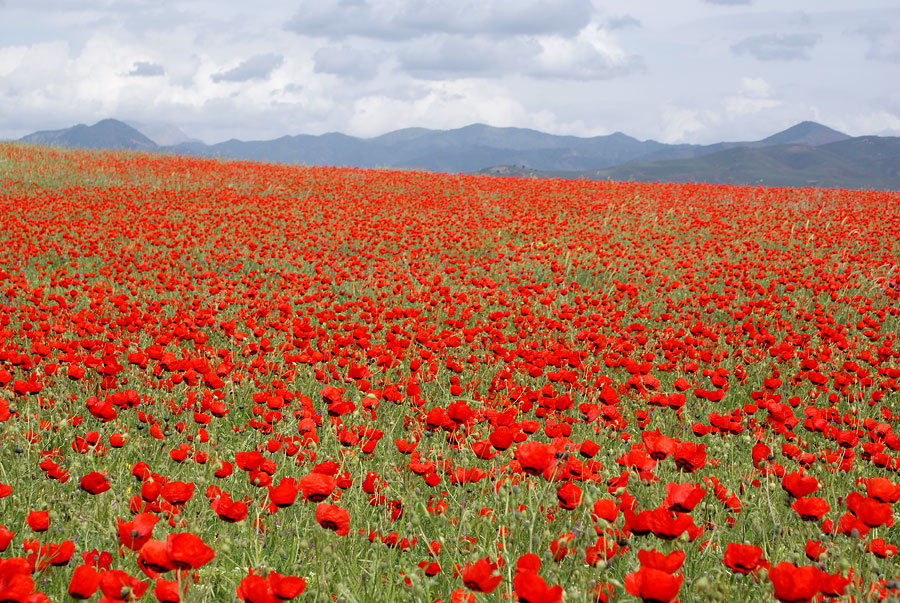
(808, 133)
(105, 134)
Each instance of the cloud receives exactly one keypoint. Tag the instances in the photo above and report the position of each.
(621, 22)
(346, 61)
(679, 122)
(411, 19)
(592, 55)
(754, 96)
(777, 47)
(884, 43)
(146, 69)
(255, 68)
(729, 2)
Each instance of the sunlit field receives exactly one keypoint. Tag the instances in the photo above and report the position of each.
(233, 381)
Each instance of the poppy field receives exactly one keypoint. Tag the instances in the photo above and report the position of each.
(237, 381)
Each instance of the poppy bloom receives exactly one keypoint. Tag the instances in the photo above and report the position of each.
(285, 493)
(569, 496)
(811, 508)
(743, 558)
(112, 582)
(882, 490)
(285, 587)
(534, 457)
(332, 517)
(870, 511)
(652, 585)
(135, 533)
(153, 558)
(683, 497)
(187, 550)
(653, 559)
(229, 510)
(799, 485)
(224, 469)
(531, 588)
(813, 549)
(689, 456)
(177, 493)
(39, 521)
(316, 487)
(657, 445)
(482, 576)
(166, 591)
(667, 525)
(94, 483)
(6, 537)
(84, 582)
(795, 584)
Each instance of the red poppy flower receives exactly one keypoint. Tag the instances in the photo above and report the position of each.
(569, 496)
(799, 485)
(482, 576)
(229, 510)
(531, 588)
(870, 511)
(153, 558)
(743, 558)
(6, 537)
(882, 490)
(652, 585)
(683, 497)
(534, 457)
(689, 456)
(94, 483)
(112, 582)
(316, 487)
(84, 582)
(224, 469)
(38, 521)
(285, 587)
(332, 517)
(177, 493)
(187, 550)
(795, 584)
(653, 559)
(285, 493)
(135, 533)
(811, 508)
(813, 549)
(166, 591)
(667, 525)
(657, 445)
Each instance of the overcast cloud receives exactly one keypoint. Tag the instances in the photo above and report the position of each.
(686, 71)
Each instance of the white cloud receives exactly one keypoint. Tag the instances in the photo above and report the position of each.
(754, 96)
(652, 69)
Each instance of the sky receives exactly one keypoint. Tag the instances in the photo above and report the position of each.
(694, 71)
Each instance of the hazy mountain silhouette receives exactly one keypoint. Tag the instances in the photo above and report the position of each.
(805, 154)
(105, 134)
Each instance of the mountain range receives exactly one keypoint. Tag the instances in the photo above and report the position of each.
(807, 154)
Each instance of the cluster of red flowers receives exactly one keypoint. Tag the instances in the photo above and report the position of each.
(564, 371)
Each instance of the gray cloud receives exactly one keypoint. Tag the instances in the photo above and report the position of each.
(146, 69)
(450, 57)
(777, 47)
(346, 61)
(342, 18)
(621, 22)
(255, 68)
(884, 43)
